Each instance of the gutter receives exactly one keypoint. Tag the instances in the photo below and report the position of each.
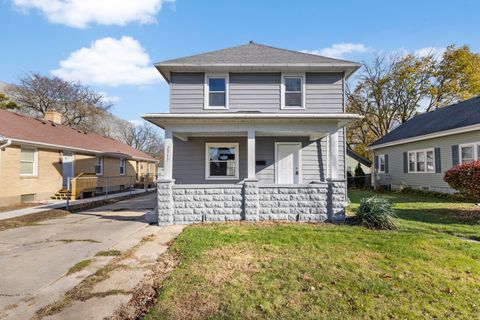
(73, 149)
(6, 144)
(254, 116)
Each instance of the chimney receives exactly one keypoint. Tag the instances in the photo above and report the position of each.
(54, 116)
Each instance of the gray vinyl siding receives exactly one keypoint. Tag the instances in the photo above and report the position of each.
(186, 92)
(434, 181)
(254, 92)
(257, 92)
(324, 92)
(189, 159)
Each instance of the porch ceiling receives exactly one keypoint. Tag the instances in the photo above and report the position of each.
(313, 135)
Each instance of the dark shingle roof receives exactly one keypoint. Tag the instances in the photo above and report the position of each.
(352, 154)
(254, 57)
(462, 114)
(253, 53)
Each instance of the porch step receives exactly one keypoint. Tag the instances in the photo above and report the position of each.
(62, 194)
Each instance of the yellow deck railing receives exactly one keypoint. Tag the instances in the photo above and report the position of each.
(84, 182)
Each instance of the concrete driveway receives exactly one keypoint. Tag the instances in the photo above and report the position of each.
(35, 259)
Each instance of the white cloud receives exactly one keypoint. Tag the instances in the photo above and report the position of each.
(108, 98)
(81, 13)
(109, 62)
(338, 50)
(137, 123)
(436, 52)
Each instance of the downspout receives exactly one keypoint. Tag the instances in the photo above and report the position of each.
(6, 144)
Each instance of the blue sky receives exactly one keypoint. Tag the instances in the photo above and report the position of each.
(112, 44)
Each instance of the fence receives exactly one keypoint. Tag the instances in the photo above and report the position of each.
(359, 182)
(89, 185)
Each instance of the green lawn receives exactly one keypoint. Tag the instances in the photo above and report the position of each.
(423, 270)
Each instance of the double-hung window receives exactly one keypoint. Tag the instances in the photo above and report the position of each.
(99, 165)
(469, 152)
(381, 163)
(221, 161)
(216, 88)
(293, 94)
(28, 162)
(421, 161)
(122, 166)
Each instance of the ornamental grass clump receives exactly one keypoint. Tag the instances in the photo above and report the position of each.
(374, 213)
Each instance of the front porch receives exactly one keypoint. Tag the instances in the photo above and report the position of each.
(261, 169)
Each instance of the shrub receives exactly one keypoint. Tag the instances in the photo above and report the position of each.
(359, 177)
(375, 213)
(359, 171)
(465, 178)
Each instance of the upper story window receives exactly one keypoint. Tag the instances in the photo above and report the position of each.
(421, 161)
(28, 162)
(99, 165)
(216, 91)
(122, 166)
(469, 152)
(293, 92)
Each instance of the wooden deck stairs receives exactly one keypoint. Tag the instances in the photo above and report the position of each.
(62, 194)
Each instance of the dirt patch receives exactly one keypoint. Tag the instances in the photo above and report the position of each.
(146, 293)
(77, 240)
(31, 219)
(19, 206)
(108, 253)
(230, 265)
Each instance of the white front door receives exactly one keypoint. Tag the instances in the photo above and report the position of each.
(287, 163)
(67, 167)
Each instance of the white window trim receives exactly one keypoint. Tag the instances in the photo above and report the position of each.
(415, 153)
(475, 145)
(207, 160)
(101, 165)
(124, 166)
(35, 162)
(206, 91)
(381, 156)
(300, 160)
(282, 91)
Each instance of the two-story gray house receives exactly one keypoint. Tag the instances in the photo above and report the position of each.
(254, 133)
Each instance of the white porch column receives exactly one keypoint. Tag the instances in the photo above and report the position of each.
(333, 144)
(251, 154)
(168, 155)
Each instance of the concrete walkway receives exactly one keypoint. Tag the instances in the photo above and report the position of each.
(60, 204)
(34, 260)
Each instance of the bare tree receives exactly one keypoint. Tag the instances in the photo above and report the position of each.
(389, 92)
(143, 137)
(79, 105)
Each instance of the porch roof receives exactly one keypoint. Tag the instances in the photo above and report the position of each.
(164, 120)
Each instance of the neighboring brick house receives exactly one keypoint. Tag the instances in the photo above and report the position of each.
(419, 152)
(254, 133)
(39, 156)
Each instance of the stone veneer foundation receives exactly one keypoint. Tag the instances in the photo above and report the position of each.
(251, 201)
